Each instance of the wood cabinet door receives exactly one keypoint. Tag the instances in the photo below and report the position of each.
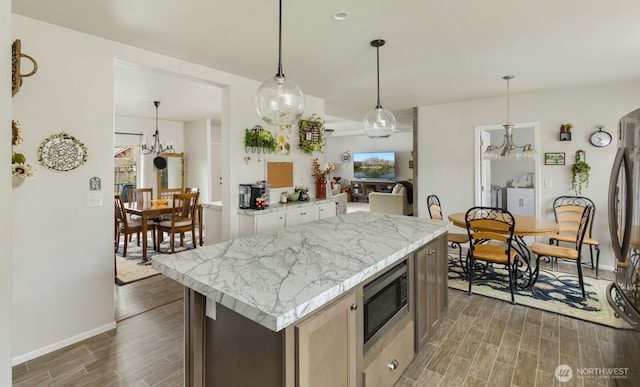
(326, 346)
(431, 288)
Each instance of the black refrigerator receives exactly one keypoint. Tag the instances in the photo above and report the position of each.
(624, 221)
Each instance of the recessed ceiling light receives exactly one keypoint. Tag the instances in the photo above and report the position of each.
(341, 15)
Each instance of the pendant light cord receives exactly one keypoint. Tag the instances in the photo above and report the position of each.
(280, 73)
(378, 106)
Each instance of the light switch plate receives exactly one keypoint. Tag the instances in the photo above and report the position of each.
(94, 199)
(547, 183)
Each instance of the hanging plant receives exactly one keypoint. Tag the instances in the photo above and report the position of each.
(580, 172)
(311, 134)
(259, 140)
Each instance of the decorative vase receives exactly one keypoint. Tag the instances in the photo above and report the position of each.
(321, 189)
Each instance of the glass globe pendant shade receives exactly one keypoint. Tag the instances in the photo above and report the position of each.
(279, 101)
(379, 123)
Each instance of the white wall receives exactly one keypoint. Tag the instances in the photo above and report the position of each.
(63, 251)
(447, 166)
(6, 195)
(196, 156)
(401, 143)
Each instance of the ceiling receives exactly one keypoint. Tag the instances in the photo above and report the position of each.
(436, 51)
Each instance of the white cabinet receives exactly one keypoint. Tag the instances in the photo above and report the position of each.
(270, 222)
(279, 216)
(520, 201)
(327, 210)
(300, 216)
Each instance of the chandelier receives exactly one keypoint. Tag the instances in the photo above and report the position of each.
(509, 150)
(156, 147)
(379, 122)
(279, 101)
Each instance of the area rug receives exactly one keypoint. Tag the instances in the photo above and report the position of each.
(133, 268)
(554, 291)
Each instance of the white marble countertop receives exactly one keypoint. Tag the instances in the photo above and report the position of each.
(213, 205)
(279, 277)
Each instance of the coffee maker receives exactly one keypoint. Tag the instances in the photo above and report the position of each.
(245, 196)
(257, 190)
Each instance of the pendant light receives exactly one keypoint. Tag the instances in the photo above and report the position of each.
(279, 101)
(379, 122)
(156, 146)
(509, 150)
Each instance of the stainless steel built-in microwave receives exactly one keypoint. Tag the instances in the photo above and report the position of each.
(385, 302)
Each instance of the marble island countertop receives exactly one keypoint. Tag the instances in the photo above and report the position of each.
(276, 278)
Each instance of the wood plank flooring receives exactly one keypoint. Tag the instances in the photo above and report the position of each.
(481, 342)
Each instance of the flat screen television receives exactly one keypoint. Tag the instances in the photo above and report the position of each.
(374, 165)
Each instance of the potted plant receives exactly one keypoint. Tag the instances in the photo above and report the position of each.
(311, 134)
(258, 139)
(580, 172)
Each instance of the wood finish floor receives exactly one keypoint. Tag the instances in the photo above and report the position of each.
(481, 342)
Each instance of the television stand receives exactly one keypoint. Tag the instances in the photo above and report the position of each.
(360, 188)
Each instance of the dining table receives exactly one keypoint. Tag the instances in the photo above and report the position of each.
(146, 211)
(524, 226)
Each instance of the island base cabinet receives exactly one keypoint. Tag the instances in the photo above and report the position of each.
(391, 363)
(431, 288)
(233, 350)
(326, 346)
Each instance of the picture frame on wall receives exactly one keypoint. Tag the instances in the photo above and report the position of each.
(554, 158)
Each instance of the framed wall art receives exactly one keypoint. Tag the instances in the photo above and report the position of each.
(554, 158)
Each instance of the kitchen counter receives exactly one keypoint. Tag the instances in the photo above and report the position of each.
(276, 278)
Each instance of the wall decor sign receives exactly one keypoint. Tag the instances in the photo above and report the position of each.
(62, 152)
(556, 158)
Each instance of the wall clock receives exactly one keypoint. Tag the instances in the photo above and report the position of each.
(62, 152)
(600, 138)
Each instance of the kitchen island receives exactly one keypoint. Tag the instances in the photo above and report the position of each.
(263, 309)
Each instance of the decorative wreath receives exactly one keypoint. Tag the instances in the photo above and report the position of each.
(311, 134)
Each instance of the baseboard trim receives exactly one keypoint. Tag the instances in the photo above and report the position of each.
(61, 344)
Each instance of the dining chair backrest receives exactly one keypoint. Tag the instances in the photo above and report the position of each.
(434, 208)
(583, 226)
(568, 210)
(139, 195)
(121, 216)
(488, 224)
(184, 206)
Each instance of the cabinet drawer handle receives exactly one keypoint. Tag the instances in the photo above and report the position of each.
(393, 365)
(354, 306)
(430, 252)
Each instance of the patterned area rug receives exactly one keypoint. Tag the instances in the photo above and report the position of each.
(554, 292)
(132, 268)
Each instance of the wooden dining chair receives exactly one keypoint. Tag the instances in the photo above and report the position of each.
(181, 219)
(128, 227)
(455, 240)
(568, 212)
(139, 195)
(199, 212)
(491, 235)
(574, 253)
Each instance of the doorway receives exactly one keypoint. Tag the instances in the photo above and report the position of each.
(496, 176)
